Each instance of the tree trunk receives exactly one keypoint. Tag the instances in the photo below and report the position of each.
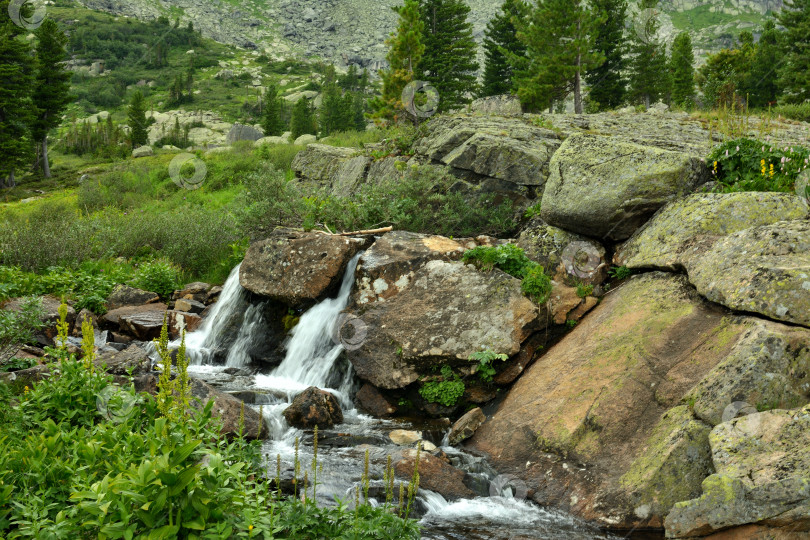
(11, 182)
(647, 101)
(46, 167)
(578, 79)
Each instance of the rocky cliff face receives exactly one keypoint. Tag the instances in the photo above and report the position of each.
(354, 31)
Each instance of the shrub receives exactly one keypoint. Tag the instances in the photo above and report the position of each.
(160, 277)
(750, 165)
(485, 358)
(17, 327)
(446, 392)
(535, 284)
(620, 272)
(800, 112)
(584, 290)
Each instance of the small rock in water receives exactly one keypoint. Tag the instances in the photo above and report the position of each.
(465, 427)
(404, 437)
(314, 407)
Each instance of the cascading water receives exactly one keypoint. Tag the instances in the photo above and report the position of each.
(313, 358)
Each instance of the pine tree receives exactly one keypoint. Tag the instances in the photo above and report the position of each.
(649, 74)
(405, 49)
(137, 121)
(683, 71)
(449, 62)
(794, 74)
(763, 85)
(16, 109)
(358, 112)
(607, 83)
(51, 85)
(558, 35)
(272, 122)
(501, 36)
(303, 119)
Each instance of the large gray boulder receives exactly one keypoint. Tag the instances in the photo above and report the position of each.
(762, 475)
(143, 151)
(607, 188)
(124, 295)
(687, 228)
(763, 270)
(503, 105)
(340, 169)
(240, 132)
(441, 313)
(564, 253)
(296, 267)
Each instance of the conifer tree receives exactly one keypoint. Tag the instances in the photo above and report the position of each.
(405, 49)
(272, 123)
(16, 109)
(332, 112)
(303, 119)
(683, 71)
(136, 115)
(358, 112)
(559, 36)
(763, 84)
(51, 85)
(607, 83)
(449, 62)
(501, 36)
(794, 74)
(649, 74)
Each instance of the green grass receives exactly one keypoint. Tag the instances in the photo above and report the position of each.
(702, 16)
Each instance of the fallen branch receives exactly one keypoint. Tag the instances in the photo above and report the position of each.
(360, 233)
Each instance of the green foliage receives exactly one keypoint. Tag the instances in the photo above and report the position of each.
(500, 36)
(272, 121)
(449, 61)
(420, 201)
(607, 82)
(683, 71)
(446, 392)
(763, 85)
(536, 284)
(750, 165)
(800, 112)
(160, 277)
(533, 211)
(101, 140)
(559, 39)
(511, 259)
(485, 358)
(18, 327)
(16, 364)
(620, 272)
(584, 290)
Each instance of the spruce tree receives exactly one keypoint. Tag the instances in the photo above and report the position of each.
(136, 115)
(332, 110)
(501, 36)
(16, 109)
(405, 49)
(449, 62)
(763, 85)
(649, 74)
(51, 85)
(794, 74)
(607, 84)
(683, 71)
(358, 112)
(559, 36)
(272, 123)
(303, 119)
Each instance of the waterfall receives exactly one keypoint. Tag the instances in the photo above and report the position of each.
(203, 344)
(315, 346)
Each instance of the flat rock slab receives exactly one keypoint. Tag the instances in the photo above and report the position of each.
(606, 188)
(296, 267)
(686, 229)
(597, 400)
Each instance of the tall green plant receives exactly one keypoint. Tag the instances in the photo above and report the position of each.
(607, 83)
(136, 114)
(794, 72)
(501, 36)
(683, 71)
